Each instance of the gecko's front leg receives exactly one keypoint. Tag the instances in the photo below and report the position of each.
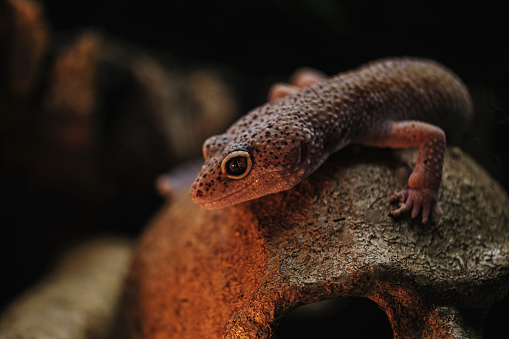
(427, 175)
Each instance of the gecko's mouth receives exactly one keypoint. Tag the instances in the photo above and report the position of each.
(252, 190)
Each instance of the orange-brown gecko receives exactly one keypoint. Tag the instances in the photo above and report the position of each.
(393, 103)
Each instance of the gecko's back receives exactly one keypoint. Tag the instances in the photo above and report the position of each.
(395, 89)
(420, 90)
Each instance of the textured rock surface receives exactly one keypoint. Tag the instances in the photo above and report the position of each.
(236, 272)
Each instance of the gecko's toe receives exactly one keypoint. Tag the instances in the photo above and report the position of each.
(417, 206)
(437, 209)
(422, 201)
(404, 203)
(426, 210)
(399, 197)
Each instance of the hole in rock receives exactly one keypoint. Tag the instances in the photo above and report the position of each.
(495, 325)
(336, 318)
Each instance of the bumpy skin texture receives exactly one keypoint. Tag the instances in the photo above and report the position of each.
(388, 103)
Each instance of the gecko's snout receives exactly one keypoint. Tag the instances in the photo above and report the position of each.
(198, 194)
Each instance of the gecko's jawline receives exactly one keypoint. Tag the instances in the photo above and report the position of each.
(224, 202)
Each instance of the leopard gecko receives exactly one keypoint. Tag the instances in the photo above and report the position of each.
(394, 102)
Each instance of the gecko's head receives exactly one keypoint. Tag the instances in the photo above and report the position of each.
(247, 169)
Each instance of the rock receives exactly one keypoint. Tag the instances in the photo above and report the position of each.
(24, 38)
(77, 300)
(87, 123)
(236, 272)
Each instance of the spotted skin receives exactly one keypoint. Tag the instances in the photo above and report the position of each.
(393, 103)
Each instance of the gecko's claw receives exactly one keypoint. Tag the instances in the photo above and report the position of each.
(417, 201)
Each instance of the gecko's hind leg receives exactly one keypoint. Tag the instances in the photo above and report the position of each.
(302, 78)
(280, 90)
(305, 77)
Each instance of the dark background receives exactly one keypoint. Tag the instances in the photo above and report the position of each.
(268, 39)
(263, 41)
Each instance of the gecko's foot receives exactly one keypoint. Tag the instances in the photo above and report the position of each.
(417, 201)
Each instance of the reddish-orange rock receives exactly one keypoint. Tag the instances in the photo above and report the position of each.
(235, 272)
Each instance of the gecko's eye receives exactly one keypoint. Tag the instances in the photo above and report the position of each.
(237, 165)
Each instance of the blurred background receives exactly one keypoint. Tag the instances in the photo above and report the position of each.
(97, 98)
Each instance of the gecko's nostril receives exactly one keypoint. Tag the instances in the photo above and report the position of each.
(199, 194)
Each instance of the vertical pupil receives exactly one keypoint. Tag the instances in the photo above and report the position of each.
(237, 165)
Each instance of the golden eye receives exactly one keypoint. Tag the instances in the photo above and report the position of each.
(237, 165)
